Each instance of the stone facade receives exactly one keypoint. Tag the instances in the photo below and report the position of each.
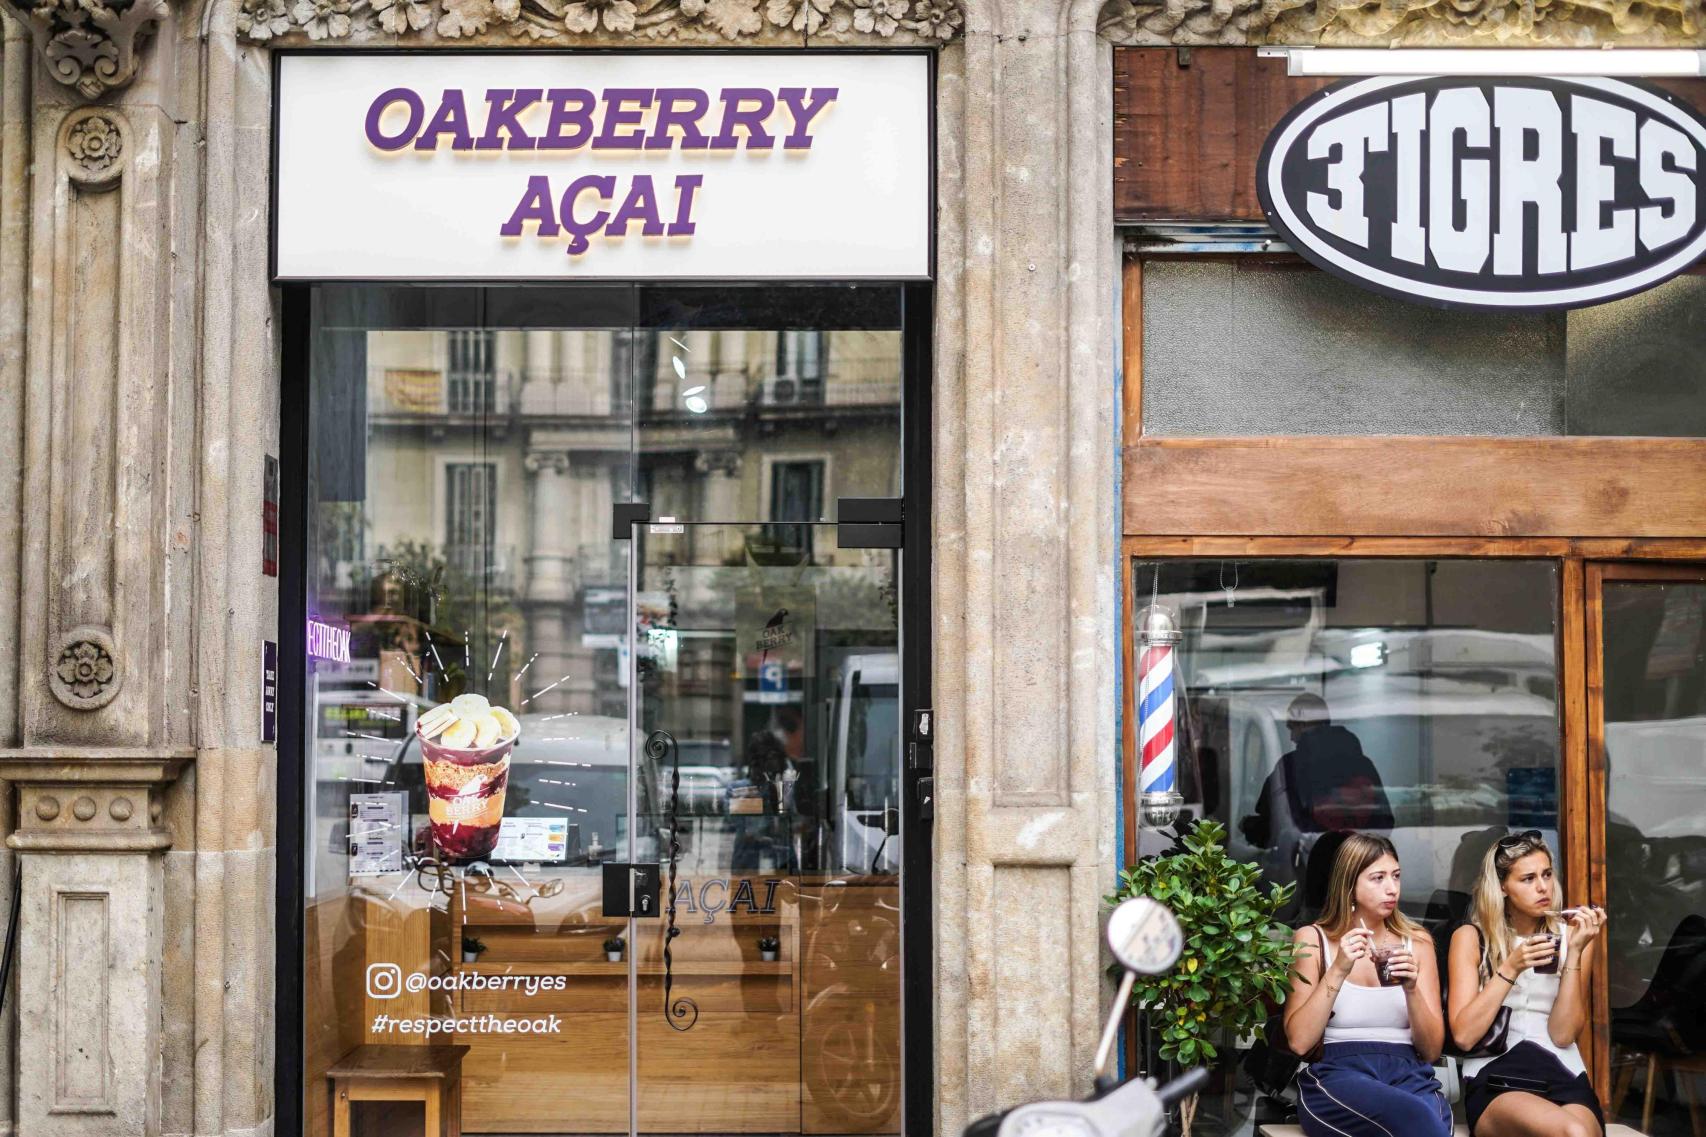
(139, 393)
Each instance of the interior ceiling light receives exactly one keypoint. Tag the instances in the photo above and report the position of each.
(1629, 62)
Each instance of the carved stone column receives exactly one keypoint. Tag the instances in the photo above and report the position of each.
(90, 837)
(542, 374)
(551, 576)
(719, 475)
(1024, 590)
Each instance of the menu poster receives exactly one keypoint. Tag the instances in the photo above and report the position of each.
(376, 833)
(539, 839)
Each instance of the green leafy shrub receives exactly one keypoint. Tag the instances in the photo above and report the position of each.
(1232, 967)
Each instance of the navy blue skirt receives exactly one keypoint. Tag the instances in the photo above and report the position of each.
(1533, 1064)
(1371, 1089)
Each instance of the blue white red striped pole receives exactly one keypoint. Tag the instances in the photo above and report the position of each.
(1155, 719)
(1158, 636)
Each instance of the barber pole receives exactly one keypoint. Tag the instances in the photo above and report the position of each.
(1157, 639)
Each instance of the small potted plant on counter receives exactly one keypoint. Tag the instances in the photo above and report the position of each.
(471, 949)
(768, 947)
(613, 948)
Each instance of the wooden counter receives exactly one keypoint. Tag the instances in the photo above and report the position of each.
(808, 1043)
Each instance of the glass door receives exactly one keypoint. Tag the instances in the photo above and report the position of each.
(1647, 738)
(765, 703)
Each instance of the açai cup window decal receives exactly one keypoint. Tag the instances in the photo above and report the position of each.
(465, 748)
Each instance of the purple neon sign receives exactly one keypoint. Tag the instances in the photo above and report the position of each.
(328, 641)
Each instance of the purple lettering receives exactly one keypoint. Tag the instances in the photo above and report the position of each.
(377, 111)
(752, 118)
(686, 185)
(577, 229)
(687, 118)
(535, 205)
(804, 109)
(502, 107)
(641, 204)
(451, 118)
(563, 114)
(617, 115)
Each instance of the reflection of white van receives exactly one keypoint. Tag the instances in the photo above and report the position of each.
(1461, 725)
(864, 773)
(1461, 739)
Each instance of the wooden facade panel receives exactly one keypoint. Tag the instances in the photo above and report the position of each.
(1189, 126)
(1186, 137)
(1415, 487)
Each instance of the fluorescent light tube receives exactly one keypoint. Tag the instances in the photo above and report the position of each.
(1633, 62)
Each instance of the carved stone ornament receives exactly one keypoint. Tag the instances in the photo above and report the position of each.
(92, 45)
(93, 142)
(84, 674)
(1394, 23)
(601, 22)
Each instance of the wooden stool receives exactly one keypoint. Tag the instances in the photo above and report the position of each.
(431, 1075)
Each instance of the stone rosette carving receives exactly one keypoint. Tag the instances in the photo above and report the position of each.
(1393, 23)
(84, 673)
(596, 22)
(92, 45)
(94, 145)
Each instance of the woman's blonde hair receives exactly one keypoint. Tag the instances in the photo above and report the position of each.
(1358, 852)
(1487, 909)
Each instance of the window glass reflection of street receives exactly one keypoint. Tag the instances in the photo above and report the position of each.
(1410, 698)
(467, 449)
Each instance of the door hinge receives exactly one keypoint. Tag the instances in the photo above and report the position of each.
(624, 515)
(870, 523)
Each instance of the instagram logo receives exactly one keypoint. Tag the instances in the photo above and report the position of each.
(384, 980)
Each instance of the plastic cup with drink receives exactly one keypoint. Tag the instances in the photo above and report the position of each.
(465, 749)
(1384, 956)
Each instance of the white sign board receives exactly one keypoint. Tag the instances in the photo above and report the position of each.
(542, 839)
(376, 833)
(629, 165)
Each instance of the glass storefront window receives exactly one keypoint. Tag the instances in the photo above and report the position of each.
(1655, 843)
(467, 447)
(1416, 698)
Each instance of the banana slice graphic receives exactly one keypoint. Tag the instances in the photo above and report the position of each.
(459, 735)
(470, 706)
(468, 722)
(434, 721)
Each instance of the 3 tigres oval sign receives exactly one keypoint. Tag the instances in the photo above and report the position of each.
(1492, 194)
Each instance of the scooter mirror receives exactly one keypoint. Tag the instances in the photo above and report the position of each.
(1144, 936)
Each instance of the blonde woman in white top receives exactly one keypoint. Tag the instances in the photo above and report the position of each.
(1517, 953)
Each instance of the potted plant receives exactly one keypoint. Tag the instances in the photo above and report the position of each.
(471, 949)
(768, 947)
(1237, 958)
(613, 948)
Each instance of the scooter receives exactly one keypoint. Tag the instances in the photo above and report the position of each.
(1145, 938)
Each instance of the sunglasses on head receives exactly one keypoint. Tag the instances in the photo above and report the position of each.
(1512, 840)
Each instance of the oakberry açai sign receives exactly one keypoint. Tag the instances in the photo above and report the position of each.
(1492, 194)
(678, 165)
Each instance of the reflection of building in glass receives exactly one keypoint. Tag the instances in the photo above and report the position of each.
(493, 459)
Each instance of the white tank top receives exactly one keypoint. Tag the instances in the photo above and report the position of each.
(1366, 1014)
(1530, 999)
